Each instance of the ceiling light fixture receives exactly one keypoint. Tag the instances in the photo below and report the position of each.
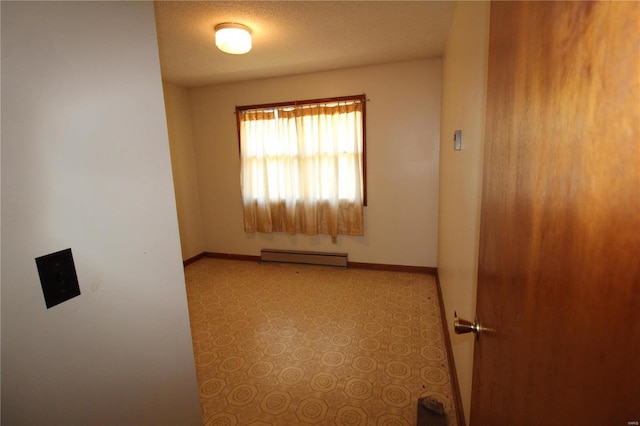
(233, 38)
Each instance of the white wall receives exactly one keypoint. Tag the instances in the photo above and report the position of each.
(183, 162)
(403, 130)
(463, 107)
(85, 164)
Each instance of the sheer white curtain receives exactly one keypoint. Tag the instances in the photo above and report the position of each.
(302, 169)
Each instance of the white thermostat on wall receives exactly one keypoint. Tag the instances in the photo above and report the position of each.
(457, 140)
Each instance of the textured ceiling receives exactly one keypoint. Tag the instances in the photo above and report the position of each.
(296, 37)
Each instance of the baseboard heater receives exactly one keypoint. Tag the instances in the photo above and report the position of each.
(304, 257)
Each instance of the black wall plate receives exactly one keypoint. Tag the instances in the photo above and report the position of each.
(58, 277)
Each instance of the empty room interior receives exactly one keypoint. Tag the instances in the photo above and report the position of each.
(120, 141)
(136, 156)
(404, 118)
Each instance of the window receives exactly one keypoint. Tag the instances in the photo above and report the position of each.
(303, 166)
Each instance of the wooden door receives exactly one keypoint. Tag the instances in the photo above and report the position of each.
(559, 265)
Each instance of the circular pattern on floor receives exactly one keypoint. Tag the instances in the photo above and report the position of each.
(369, 344)
(358, 388)
(303, 353)
(302, 345)
(347, 324)
(340, 340)
(398, 370)
(323, 382)
(248, 345)
(373, 328)
(223, 340)
(275, 349)
(290, 376)
(400, 349)
(212, 387)
(313, 336)
(351, 416)
(222, 419)
(312, 410)
(260, 369)
(201, 336)
(276, 402)
(396, 396)
(364, 364)
(205, 358)
(242, 395)
(401, 331)
(333, 359)
(432, 353)
(287, 332)
(433, 375)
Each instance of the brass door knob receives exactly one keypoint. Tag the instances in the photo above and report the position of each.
(462, 326)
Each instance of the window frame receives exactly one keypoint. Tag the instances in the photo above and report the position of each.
(353, 98)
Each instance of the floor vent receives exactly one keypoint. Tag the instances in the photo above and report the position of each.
(304, 257)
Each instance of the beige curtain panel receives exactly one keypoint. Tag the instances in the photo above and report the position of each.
(301, 169)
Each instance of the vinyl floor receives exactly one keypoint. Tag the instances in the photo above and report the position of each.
(303, 345)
